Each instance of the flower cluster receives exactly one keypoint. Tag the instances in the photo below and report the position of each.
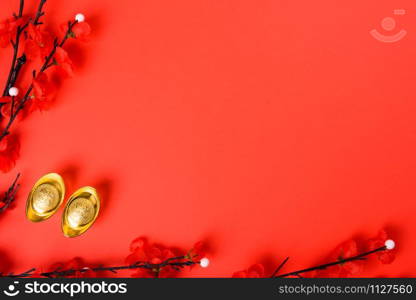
(8, 29)
(39, 46)
(9, 152)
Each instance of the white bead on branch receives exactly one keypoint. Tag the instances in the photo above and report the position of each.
(204, 262)
(13, 91)
(390, 244)
(80, 18)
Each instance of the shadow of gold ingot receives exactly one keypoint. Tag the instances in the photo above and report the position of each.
(80, 211)
(45, 197)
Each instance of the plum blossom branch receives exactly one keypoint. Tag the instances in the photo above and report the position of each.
(30, 41)
(344, 261)
(47, 64)
(17, 63)
(148, 259)
(177, 263)
(389, 245)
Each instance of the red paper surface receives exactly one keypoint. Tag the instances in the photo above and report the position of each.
(268, 128)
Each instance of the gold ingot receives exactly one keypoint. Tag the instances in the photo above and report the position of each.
(45, 197)
(80, 212)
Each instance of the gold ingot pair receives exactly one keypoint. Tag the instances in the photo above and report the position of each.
(46, 197)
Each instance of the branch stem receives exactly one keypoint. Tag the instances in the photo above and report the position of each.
(175, 262)
(338, 262)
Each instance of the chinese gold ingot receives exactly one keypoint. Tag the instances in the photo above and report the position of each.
(45, 197)
(81, 211)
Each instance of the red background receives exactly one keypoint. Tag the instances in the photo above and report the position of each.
(269, 128)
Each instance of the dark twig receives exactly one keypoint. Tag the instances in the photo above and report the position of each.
(28, 273)
(279, 267)
(10, 194)
(338, 262)
(19, 64)
(21, 6)
(39, 12)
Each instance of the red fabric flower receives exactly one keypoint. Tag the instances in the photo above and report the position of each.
(6, 108)
(38, 43)
(385, 257)
(143, 251)
(345, 250)
(64, 64)
(9, 152)
(80, 31)
(76, 263)
(255, 271)
(8, 28)
(43, 92)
